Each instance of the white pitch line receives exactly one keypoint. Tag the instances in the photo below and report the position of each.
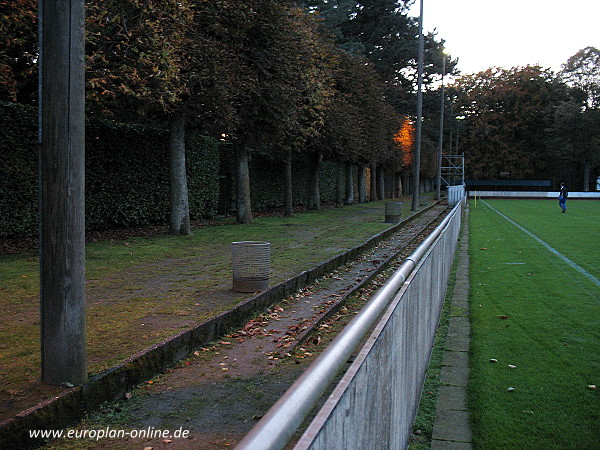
(574, 265)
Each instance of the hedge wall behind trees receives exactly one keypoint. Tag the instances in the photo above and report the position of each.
(127, 175)
(18, 170)
(267, 182)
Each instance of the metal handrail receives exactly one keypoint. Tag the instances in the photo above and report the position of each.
(278, 426)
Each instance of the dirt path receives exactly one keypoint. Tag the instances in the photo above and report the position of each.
(219, 392)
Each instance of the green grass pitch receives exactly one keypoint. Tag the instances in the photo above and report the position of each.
(536, 313)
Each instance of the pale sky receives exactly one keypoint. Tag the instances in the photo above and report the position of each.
(508, 33)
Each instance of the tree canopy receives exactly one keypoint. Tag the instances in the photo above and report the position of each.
(136, 55)
(18, 51)
(333, 77)
(504, 114)
(526, 123)
(582, 71)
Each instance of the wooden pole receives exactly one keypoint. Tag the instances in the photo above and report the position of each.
(62, 201)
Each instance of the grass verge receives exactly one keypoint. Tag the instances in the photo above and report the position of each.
(421, 436)
(142, 290)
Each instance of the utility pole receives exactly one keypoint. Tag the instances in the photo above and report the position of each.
(417, 158)
(438, 191)
(62, 200)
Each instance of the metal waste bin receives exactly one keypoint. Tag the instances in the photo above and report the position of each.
(251, 265)
(393, 212)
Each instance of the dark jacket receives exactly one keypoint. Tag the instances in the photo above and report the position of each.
(563, 192)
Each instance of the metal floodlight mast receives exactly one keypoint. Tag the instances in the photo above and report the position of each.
(417, 158)
(62, 201)
(438, 190)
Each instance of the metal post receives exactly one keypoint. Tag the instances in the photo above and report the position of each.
(438, 191)
(417, 159)
(62, 201)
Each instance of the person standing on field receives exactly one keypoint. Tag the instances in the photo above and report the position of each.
(562, 197)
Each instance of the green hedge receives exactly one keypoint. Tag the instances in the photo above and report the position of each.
(127, 175)
(267, 188)
(18, 170)
(266, 181)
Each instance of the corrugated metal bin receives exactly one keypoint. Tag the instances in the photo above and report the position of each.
(393, 212)
(251, 265)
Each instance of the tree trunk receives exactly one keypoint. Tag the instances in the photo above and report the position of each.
(381, 183)
(62, 193)
(314, 197)
(289, 199)
(373, 180)
(587, 170)
(397, 185)
(349, 184)
(406, 185)
(243, 202)
(362, 184)
(339, 185)
(180, 210)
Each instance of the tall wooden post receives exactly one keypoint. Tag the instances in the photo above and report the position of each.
(62, 201)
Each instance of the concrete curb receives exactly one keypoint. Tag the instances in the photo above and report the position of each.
(70, 406)
(452, 429)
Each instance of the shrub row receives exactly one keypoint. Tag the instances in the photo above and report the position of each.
(127, 175)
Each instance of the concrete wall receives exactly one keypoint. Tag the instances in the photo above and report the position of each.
(375, 403)
(455, 194)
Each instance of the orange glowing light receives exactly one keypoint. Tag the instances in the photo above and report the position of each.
(405, 139)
